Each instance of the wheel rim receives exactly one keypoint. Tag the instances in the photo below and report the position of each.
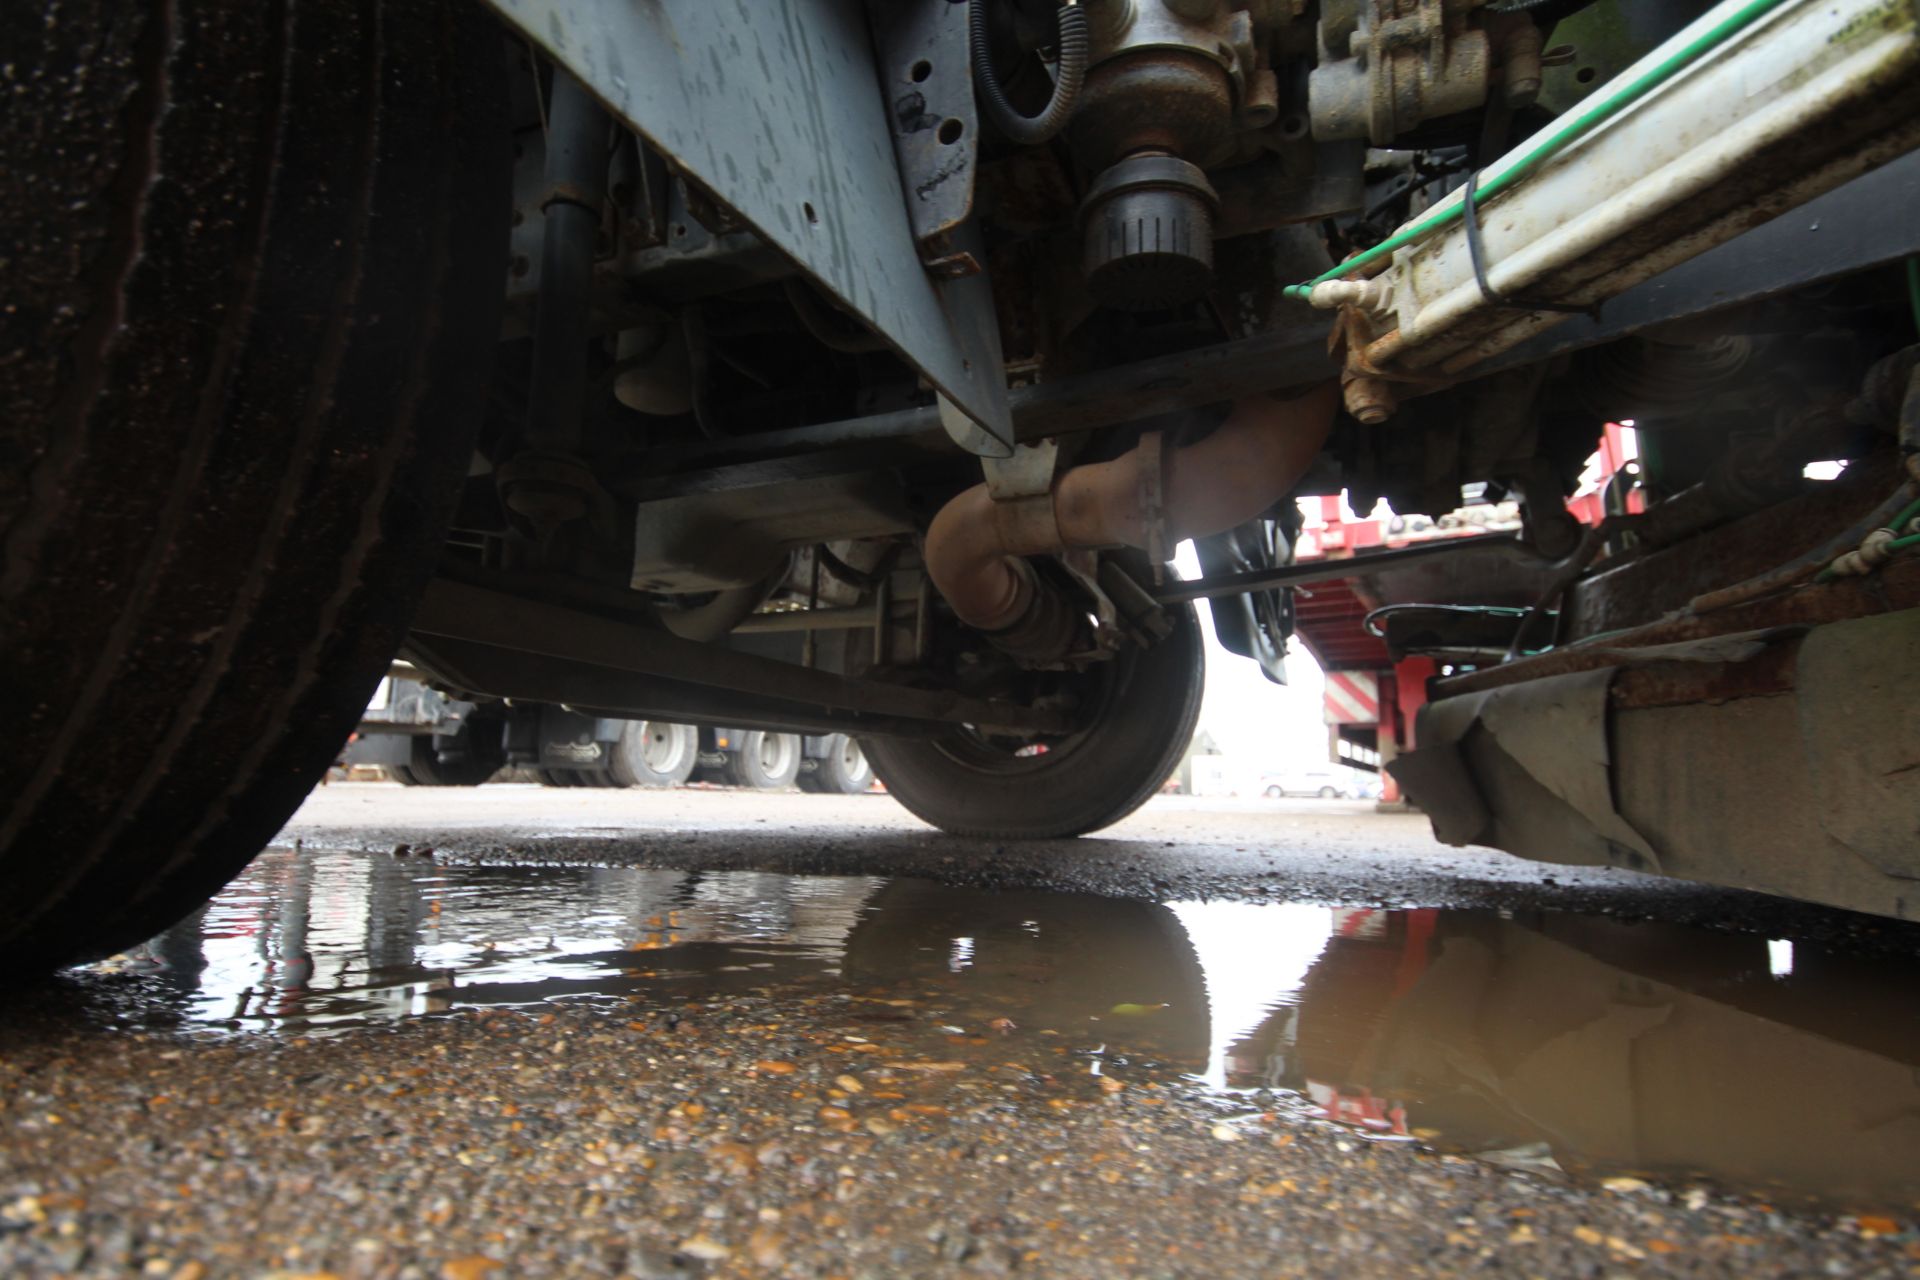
(777, 754)
(984, 753)
(663, 748)
(853, 761)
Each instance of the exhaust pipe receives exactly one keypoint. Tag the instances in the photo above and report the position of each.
(1150, 498)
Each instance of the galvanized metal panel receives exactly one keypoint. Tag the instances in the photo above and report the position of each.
(776, 107)
(1861, 736)
(928, 75)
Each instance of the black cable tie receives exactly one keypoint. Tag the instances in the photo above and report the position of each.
(1477, 253)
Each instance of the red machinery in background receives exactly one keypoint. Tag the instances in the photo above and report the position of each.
(1372, 694)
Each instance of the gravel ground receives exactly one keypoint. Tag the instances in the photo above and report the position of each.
(815, 1131)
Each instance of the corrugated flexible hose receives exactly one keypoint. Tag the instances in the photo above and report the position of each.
(1072, 73)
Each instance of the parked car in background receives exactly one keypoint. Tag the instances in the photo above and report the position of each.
(1327, 784)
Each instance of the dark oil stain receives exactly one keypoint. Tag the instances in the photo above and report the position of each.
(910, 113)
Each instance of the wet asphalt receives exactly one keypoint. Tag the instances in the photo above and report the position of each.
(516, 1031)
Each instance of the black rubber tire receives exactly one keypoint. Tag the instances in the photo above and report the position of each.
(484, 755)
(747, 765)
(1092, 780)
(401, 774)
(673, 747)
(835, 774)
(254, 261)
(556, 777)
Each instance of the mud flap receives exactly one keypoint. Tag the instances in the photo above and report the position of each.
(1525, 768)
(1802, 781)
(1861, 736)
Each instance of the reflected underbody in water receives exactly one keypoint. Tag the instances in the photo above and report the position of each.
(1561, 1043)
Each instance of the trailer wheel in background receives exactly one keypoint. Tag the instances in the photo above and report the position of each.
(473, 755)
(766, 761)
(653, 753)
(401, 774)
(556, 777)
(843, 770)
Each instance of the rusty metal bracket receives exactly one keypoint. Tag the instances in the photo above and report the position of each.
(927, 79)
(1371, 393)
(1084, 568)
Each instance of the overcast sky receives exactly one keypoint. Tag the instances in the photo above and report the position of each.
(1273, 727)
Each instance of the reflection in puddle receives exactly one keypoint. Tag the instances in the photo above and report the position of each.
(1548, 1041)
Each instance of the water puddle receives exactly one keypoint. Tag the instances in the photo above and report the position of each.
(1570, 1045)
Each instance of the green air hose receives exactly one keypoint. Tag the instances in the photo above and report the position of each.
(1898, 544)
(1899, 522)
(1603, 106)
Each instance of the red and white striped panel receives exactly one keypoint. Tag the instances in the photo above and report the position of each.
(1366, 923)
(1353, 697)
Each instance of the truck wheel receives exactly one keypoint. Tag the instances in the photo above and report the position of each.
(557, 777)
(477, 755)
(1140, 709)
(843, 770)
(254, 261)
(653, 753)
(401, 774)
(766, 761)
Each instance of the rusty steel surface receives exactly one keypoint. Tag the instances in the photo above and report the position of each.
(777, 108)
(1894, 589)
(1678, 684)
(1646, 587)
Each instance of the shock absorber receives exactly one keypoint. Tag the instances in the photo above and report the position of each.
(545, 481)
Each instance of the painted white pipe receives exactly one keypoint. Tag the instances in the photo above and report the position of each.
(1815, 95)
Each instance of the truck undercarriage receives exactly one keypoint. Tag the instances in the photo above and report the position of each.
(859, 368)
